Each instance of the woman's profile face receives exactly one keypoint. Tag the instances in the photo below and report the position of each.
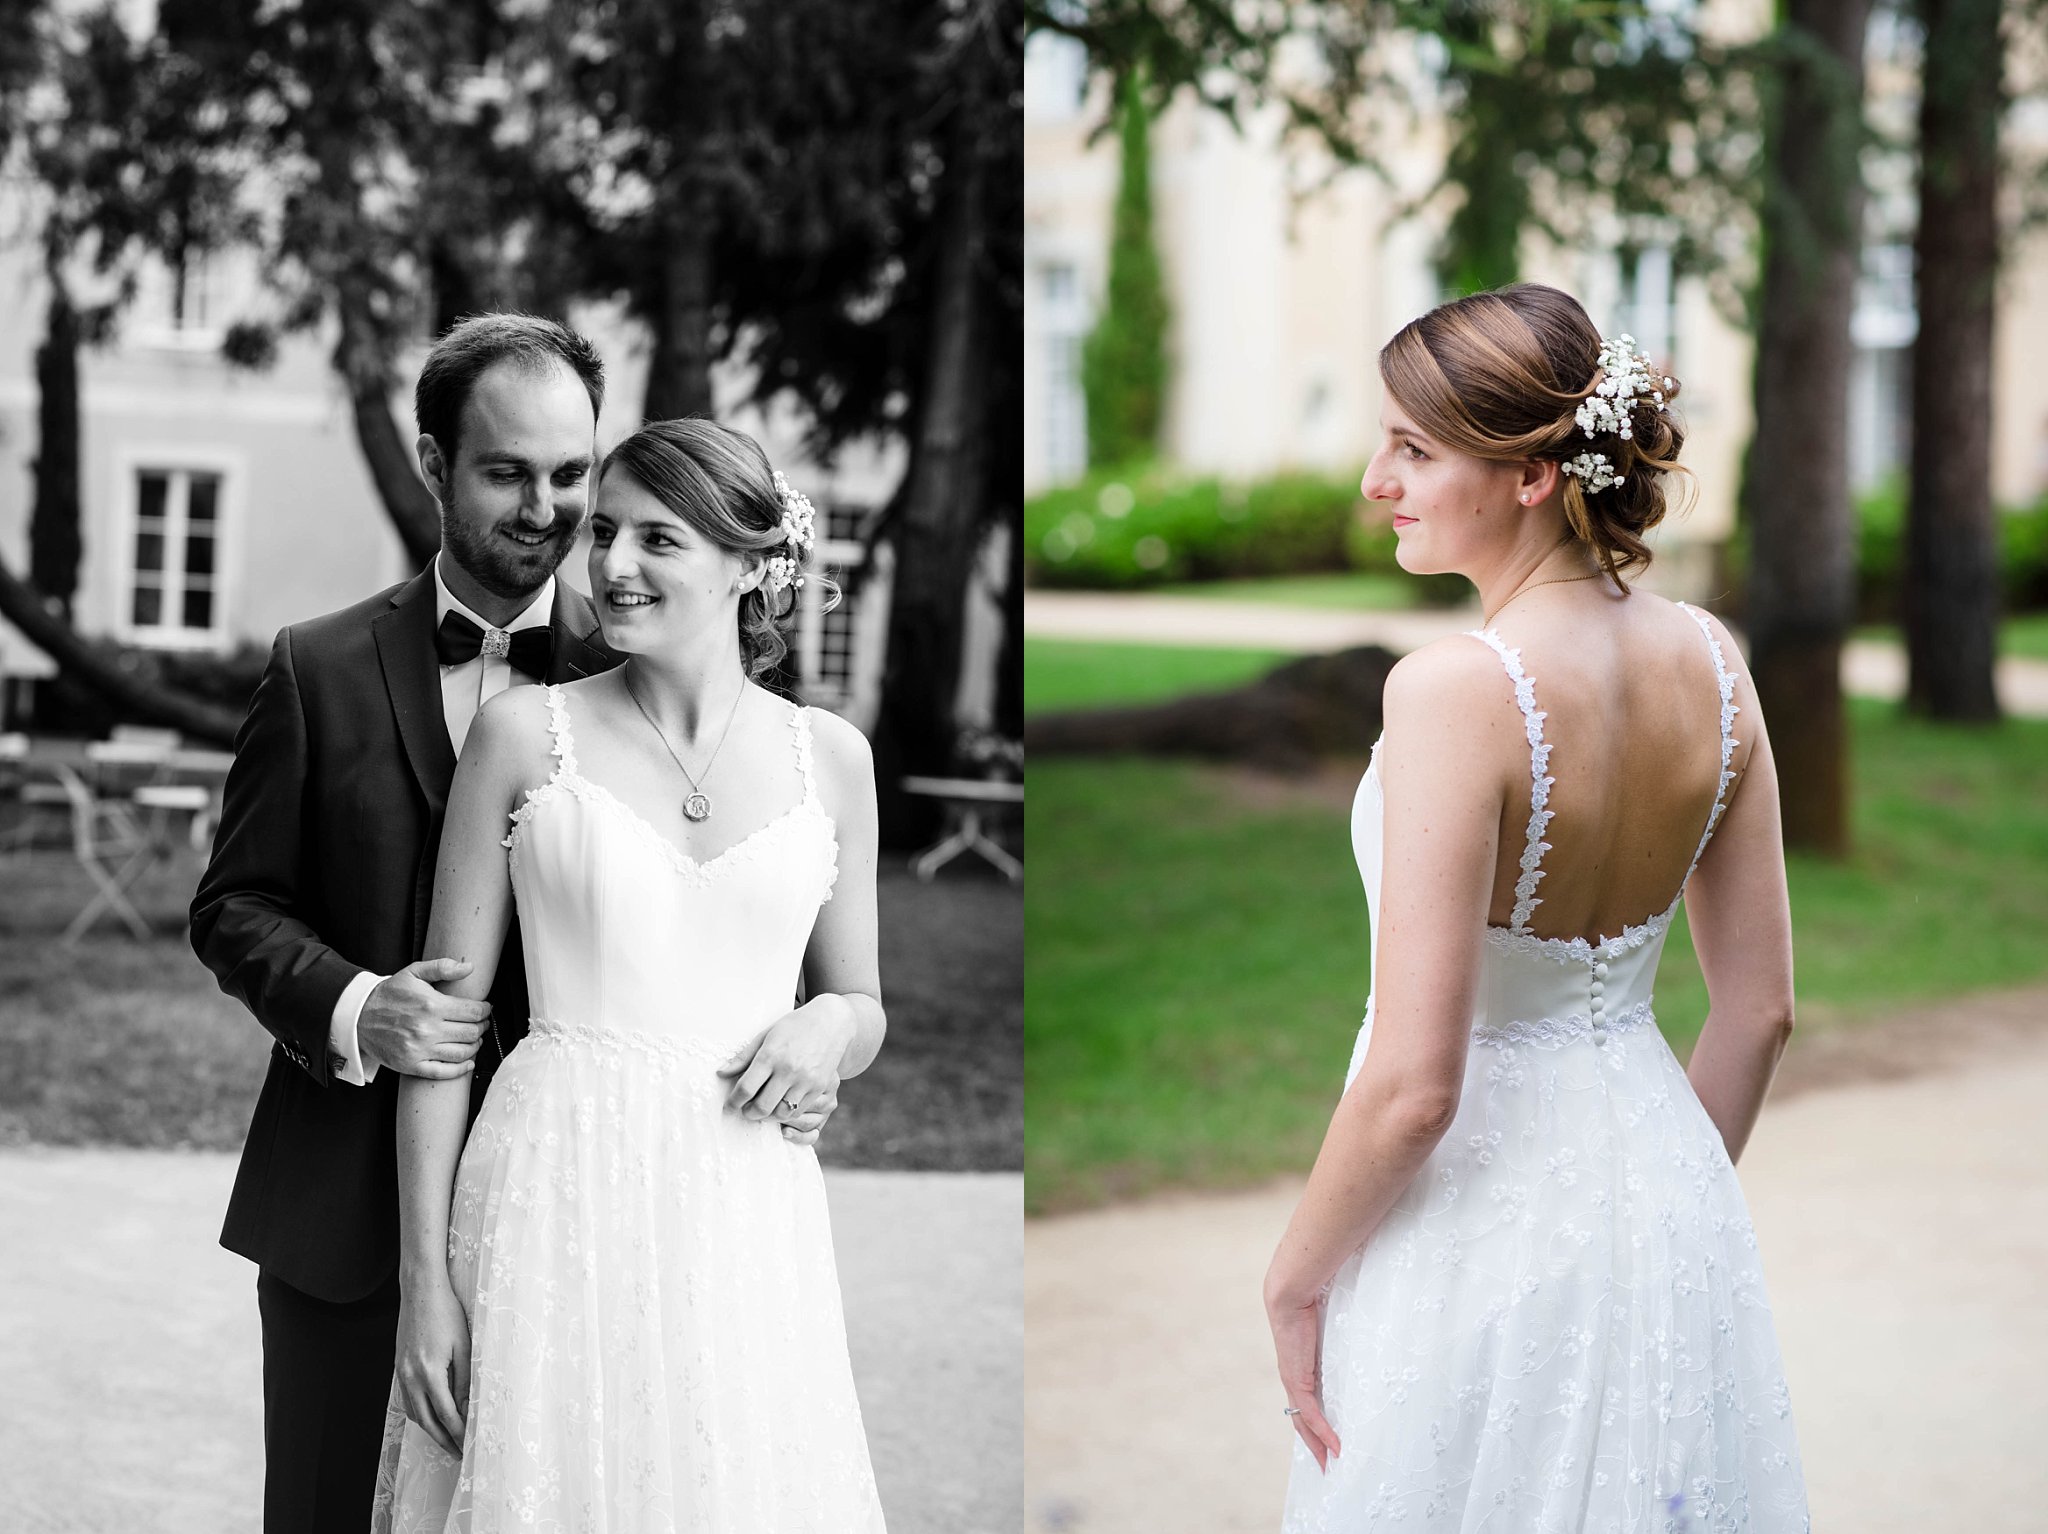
(1449, 508)
(657, 582)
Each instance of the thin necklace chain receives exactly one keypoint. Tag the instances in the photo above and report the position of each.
(667, 745)
(1555, 580)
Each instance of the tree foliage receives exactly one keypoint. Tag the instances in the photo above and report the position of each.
(789, 186)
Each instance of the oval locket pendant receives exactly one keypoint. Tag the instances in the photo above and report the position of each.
(696, 807)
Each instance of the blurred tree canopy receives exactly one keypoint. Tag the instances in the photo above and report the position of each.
(828, 193)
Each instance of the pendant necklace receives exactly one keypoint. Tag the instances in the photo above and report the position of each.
(698, 805)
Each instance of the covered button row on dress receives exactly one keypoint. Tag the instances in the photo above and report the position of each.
(1598, 1005)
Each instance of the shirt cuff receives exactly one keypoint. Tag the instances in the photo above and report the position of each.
(343, 1057)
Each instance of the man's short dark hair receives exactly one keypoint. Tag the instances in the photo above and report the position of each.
(473, 345)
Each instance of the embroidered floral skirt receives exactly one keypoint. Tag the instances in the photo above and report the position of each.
(1562, 1327)
(657, 1336)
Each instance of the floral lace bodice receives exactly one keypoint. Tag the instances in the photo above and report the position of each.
(615, 914)
(1535, 989)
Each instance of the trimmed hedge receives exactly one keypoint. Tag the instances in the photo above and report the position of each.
(1138, 527)
(1125, 530)
(1881, 543)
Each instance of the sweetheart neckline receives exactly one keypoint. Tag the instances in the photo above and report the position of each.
(701, 867)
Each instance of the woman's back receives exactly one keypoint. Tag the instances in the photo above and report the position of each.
(1632, 706)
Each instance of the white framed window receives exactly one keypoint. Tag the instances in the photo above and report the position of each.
(1055, 77)
(182, 309)
(1646, 308)
(838, 651)
(1063, 328)
(1886, 313)
(173, 590)
(1882, 326)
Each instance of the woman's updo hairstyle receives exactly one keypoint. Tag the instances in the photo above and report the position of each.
(720, 482)
(1501, 375)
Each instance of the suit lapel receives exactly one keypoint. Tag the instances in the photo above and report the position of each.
(579, 649)
(412, 676)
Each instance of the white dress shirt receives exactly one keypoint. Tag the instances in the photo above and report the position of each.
(464, 689)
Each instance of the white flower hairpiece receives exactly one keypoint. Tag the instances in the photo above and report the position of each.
(799, 520)
(1610, 409)
(1595, 469)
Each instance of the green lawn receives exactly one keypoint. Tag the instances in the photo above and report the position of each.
(1356, 589)
(2019, 634)
(1061, 674)
(1197, 963)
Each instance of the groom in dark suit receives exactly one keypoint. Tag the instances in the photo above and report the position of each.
(313, 911)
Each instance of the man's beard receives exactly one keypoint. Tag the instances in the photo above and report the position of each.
(500, 566)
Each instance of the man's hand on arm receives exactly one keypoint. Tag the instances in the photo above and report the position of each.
(414, 1029)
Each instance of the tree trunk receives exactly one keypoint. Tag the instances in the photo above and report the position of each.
(407, 501)
(23, 606)
(1950, 580)
(934, 538)
(1801, 578)
(1010, 664)
(54, 539)
(679, 372)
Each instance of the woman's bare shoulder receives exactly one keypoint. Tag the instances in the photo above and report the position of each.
(1456, 677)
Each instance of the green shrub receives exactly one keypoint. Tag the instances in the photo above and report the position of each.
(2023, 556)
(1143, 526)
(1881, 553)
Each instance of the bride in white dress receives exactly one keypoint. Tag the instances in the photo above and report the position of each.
(620, 1312)
(1521, 1292)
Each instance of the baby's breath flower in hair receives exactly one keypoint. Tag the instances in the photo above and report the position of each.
(799, 518)
(1595, 469)
(1610, 408)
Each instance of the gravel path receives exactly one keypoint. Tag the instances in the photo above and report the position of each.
(131, 1359)
(1904, 1228)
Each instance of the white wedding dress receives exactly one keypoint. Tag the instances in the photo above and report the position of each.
(1561, 1326)
(657, 1340)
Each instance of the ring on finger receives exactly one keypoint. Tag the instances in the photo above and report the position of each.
(1290, 1411)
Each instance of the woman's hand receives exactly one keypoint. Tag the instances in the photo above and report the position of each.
(1298, 1346)
(433, 1359)
(791, 1072)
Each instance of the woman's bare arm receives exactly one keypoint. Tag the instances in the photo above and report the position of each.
(1741, 920)
(471, 912)
(1447, 736)
(838, 1031)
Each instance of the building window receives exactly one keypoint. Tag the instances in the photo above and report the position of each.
(1883, 325)
(1055, 76)
(1647, 303)
(174, 594)
(1064, 329)
(182, 306)
(828, 644)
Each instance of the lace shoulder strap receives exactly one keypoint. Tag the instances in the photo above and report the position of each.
(558, 729)
(1725, 680)
(800, 728)
(1539, 779)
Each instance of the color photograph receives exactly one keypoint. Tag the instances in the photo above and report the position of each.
(1537, 716)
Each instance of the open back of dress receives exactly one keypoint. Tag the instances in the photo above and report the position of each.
(1562, 1324)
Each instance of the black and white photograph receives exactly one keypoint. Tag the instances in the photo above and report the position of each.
(511, 953)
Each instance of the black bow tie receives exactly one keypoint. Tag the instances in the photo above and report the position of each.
(459, 640)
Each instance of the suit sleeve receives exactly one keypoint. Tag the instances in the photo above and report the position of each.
(247, 925)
